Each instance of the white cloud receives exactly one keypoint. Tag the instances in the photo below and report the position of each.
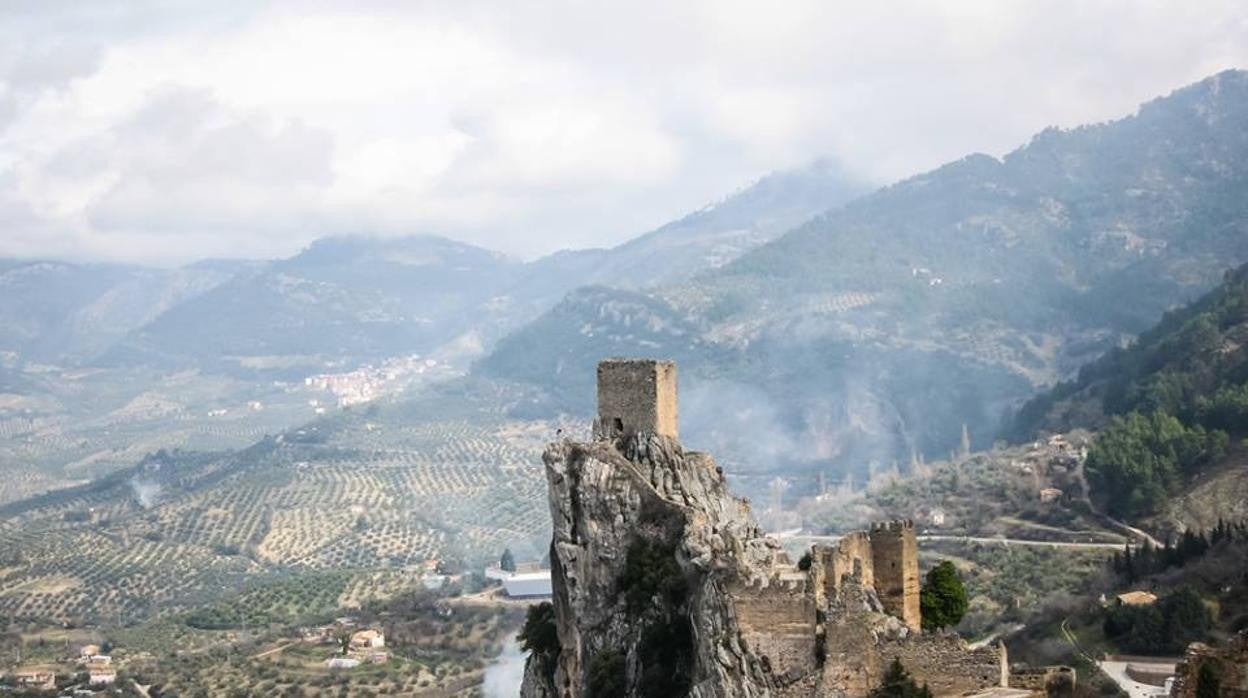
(162, 133)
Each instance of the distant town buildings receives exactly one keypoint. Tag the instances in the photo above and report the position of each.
(368, 646)
(367, 639)
(101, 674)
(41, 678)
(369, 382)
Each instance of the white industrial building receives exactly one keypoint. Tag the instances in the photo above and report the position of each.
(528, 581)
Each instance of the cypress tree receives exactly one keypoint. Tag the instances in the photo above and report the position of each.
(943, 600)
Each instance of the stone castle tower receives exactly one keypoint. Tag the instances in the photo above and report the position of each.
(895, 559)
(636, 396)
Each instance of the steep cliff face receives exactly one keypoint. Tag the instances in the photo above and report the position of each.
(647, 543)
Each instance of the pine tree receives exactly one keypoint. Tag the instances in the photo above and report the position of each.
(507, 562)
(897, 683)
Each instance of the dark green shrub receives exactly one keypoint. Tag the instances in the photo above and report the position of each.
(666, 655)
(607, 677)
(540, 635)
(650, 570)
(897, 683)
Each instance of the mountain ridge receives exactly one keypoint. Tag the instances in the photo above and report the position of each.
(1021, 268)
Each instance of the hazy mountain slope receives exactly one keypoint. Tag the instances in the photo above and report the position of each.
(59, 312)
(722, 232)
(341, 299)
(706, 239)
(350, 299)
(945, 298)
(1193, 364)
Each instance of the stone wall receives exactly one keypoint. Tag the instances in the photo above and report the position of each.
(895, 559)
(776, 619)
(1043, 679)
(636, 395)
(946, 664)
(1230, 663)
(850, 666)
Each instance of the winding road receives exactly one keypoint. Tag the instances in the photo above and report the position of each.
(987, 540)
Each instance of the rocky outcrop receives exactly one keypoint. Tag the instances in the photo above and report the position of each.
(646, 543)
(664, 585)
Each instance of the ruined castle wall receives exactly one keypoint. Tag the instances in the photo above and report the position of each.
(832, 564)
(1230, 663)
(895, 557)
(777, 620)
(850, 665)
(860, 644)
(945, 663)
(1042, 679)
(636, 395)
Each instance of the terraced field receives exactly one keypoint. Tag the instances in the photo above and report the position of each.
(370, 493)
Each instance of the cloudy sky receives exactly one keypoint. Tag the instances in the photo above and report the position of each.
(161, 132)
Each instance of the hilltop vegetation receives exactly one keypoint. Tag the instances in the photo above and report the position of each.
(1192, 365)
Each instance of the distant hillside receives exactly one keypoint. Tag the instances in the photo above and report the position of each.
(720, 233)
(55, 312)
(354, 299)
(339, 299)
(384, 489)
(1172, 408)
(1193, 364)
(100, 364)
(876, 330)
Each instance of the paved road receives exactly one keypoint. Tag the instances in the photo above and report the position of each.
(1143, 534)
(275, 650)
(988, 540)
(1021, 541)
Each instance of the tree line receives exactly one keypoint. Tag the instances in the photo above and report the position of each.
(1133, 565)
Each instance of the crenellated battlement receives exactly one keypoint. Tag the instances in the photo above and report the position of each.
(896, 525)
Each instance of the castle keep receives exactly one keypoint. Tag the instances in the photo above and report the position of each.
(636, 396)
(658, 571)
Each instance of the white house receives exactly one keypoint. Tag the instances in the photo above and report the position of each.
(528, 584)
